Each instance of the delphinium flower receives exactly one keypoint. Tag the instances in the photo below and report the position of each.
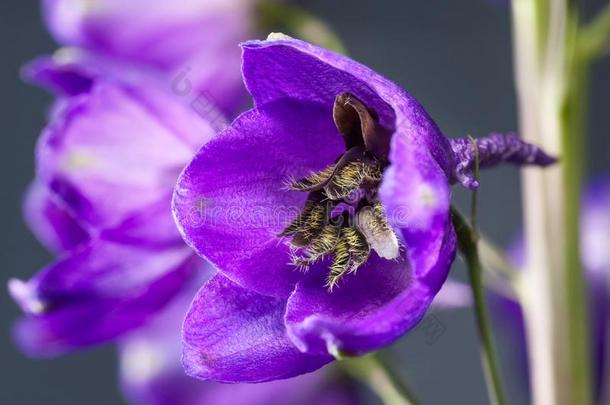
(326, 211)
(151, 372)
(106, 166)
(192, 41)
(595, 240)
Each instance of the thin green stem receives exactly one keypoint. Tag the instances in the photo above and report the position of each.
(467, 243)
(376, 374)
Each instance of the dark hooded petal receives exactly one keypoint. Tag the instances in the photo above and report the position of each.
(368, 310)
(231, 334)
(111, 142)
(231, 201)
(51, 221)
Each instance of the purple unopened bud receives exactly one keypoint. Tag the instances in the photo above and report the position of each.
(494, 149)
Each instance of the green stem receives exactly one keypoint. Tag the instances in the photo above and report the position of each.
(375, 373)
(551, 73)
(467, 242)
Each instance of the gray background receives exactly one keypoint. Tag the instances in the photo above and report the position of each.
(454, 56)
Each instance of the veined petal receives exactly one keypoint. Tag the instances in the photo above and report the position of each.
(151, 371)
(370, 309)
(231, 201)
(236, 335)
(106, 154)
(101, 289)
(65, 320)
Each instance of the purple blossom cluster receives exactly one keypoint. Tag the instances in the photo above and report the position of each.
(314, 226)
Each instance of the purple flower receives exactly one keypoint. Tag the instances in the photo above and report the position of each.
(336, 171)
(151, 372)
(106, 166)
(191, 41)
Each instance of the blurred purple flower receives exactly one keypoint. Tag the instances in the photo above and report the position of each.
(260, 319)
(194, 41)
(595, 240)
(151, 372)
(106, 166)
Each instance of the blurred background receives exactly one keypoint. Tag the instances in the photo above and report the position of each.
(453, 56)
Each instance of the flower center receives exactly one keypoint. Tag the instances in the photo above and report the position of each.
(343, 217)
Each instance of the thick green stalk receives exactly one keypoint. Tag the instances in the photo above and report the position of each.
(375, 373)
(468, 246)
(551, 78)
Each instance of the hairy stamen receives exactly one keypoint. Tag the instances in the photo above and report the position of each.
(311, 227)
(359, 248)
(341, 263)
(314, 180)
(347, 192)
(323, 245)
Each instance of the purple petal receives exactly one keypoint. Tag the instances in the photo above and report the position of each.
(235, 335)
(76, 323)
(152, 374)
(370, 309)
(164, 34)
(74, 71)
(231, 201)
(416, 195)
(110, 143)
(286, 67)
(51, 221)
(199, 36)
(61, 79)
(151, 226)
(96, 293)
